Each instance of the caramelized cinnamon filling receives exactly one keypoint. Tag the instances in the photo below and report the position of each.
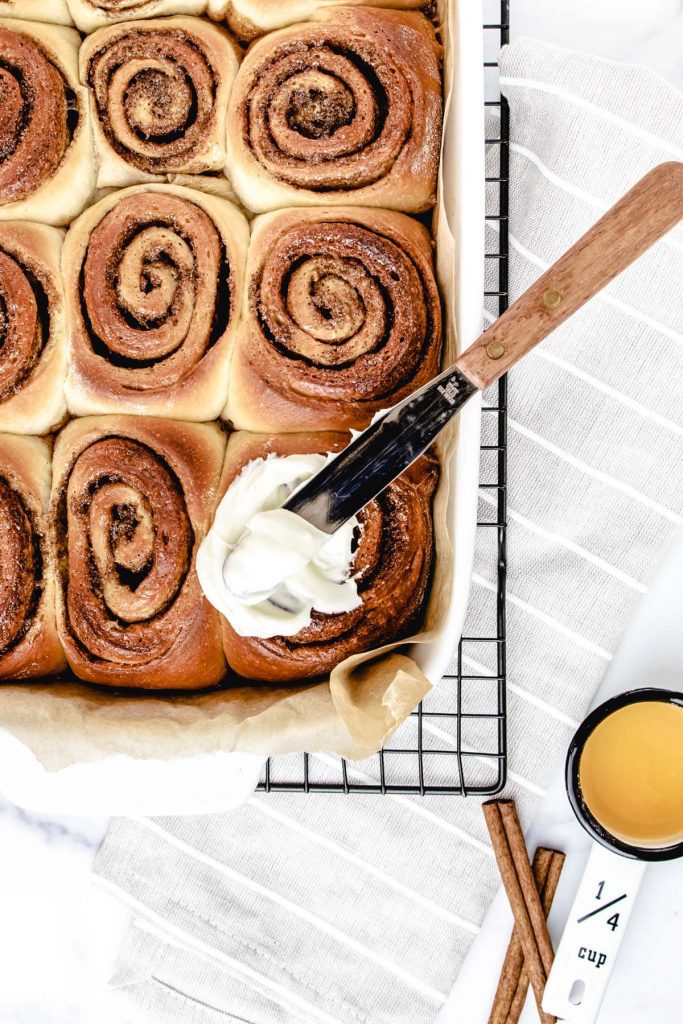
(155, 94)
(156, 289)
(21, 568)
(125, 546)
(24, 323)
(119, 5)
(38, 116)
(328, 112)
(350, 312)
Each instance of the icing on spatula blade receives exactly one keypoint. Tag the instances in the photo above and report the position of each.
(381, 453)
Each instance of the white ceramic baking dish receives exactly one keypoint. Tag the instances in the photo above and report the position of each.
(208, 783)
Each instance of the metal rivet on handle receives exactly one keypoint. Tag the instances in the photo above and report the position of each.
(551, 298)
(495, 349)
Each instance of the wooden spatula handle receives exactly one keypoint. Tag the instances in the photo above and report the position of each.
(651, 208)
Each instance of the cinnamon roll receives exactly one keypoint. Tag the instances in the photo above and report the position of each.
(342, 318)
(54, 12)
(89, 15)
(160, 95)
(345, 108)
(47, 168)
(33, 349)
(29, 645)
(153, 278)
(131, 501)
(392, 567)
(251, 18)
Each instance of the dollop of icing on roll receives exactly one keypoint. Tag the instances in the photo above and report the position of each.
(365, 587)
(265, 569)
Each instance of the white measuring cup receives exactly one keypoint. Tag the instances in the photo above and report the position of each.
(607, 891)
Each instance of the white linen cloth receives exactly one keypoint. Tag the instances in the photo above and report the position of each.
(360, 910)
(643, 989)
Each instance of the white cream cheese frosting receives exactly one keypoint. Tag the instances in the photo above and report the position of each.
(254, 544)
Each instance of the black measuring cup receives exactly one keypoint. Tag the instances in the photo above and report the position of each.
(608, 888)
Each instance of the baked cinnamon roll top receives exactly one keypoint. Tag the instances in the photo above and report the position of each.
(33, 345)
(129, 507)
(25, 295)
(160, 90)
(392, 566)
(90, 15)
(39, 114)
(348, 104)
(29, 646)
(158, 290)
(154, 277)
(343, 318)
(353, 312)
(128, 539)
(21, 565)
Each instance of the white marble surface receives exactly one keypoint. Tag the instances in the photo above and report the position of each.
(59, 934)
(643, 989)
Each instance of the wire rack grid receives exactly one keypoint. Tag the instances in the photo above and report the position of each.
(432, 754)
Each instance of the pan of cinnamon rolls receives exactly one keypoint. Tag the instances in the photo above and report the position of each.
(216, 255)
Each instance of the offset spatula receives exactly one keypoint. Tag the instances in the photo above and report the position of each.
(382, 452)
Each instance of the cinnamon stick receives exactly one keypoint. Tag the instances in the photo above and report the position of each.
(514, 980)
(513, 862)
(547, 896)
(513, 965)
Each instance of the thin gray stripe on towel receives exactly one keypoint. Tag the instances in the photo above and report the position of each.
(360, 911)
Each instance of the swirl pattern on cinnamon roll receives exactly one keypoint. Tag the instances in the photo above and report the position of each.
(29, 646)
(33, 349)
(129, 506)
(153, 278)
(342, 318)
(160, 91)
(46, 160)
(392, 567)
(344, 108)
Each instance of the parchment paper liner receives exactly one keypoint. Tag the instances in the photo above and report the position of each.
(351, 714)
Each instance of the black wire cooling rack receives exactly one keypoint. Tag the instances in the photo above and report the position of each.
(455, 742)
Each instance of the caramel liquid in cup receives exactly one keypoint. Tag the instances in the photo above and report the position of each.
(631, 773)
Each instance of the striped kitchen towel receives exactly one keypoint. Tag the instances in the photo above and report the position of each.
(360, 910)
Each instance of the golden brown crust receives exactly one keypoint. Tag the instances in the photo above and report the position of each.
(28, 75)
(342, 317)
(251, 18)
(33, 349)
(153, 277)
(47, 168)
(53, 12)
(29, 645)
(131, 501)
(393, 565)
(345, 108)
(160, 93)
(93, 14)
